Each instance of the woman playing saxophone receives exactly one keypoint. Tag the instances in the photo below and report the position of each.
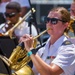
(57, 57)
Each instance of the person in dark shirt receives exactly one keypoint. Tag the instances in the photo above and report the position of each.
(2, 18)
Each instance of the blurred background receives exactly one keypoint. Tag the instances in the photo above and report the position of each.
(43, 6)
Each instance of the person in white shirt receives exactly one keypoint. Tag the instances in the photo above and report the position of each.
(12, 14)
(71, 32)
(57, 57)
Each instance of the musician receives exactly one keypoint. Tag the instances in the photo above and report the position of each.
(72, 21)
(12, 14)
(57, 57)
(2, 18)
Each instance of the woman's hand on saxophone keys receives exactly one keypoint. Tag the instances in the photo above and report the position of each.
(28, 41)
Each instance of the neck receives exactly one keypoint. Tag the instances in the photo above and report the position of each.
(54, 39)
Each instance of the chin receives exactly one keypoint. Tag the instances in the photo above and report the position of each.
(49, 32)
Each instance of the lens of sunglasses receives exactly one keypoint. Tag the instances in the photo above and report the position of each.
(52, 20)
(10, 14)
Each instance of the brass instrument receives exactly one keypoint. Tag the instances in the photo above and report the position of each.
(71, 27)
(19, 59)
(4, 24)
(9, 32)
(72, 19)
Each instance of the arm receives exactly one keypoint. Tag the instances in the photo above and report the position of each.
(41, 66)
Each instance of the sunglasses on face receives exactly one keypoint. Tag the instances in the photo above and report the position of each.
(10, 15)
(52, 20)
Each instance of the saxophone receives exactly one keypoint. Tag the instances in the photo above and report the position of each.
(18, 59)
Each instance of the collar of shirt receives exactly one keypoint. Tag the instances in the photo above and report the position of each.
(53, 48)
(43, 52)
(58, 43)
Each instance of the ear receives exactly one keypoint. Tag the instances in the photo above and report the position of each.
(66, 24)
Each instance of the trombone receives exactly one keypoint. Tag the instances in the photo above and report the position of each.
(10, 31)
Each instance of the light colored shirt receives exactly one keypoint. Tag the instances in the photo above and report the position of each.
(61, 55)
(21, 29)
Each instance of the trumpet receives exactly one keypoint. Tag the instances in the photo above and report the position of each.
(9, 32)
(20, 67)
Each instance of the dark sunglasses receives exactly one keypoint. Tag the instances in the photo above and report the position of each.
(52, 20)
(10, 14)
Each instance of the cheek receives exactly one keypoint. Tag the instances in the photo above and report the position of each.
(59, 29)
(12, 19)
(47, 25)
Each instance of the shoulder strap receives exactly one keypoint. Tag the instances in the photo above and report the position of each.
(67, 42)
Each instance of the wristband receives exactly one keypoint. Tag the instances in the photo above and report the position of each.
(29, 53)
(33, 51)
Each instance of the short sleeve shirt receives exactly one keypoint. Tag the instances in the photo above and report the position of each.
(62, 55)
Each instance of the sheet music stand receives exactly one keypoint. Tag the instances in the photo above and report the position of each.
(7, 45)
